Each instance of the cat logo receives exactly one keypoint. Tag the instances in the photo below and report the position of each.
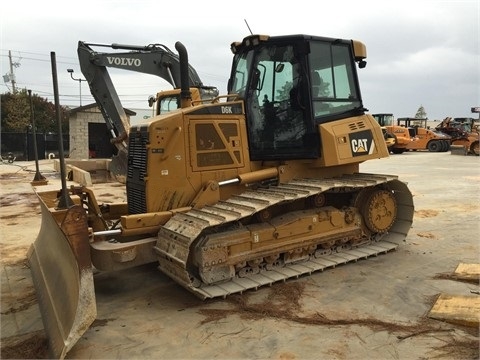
(362, 143)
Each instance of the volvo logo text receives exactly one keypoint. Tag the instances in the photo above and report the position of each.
(124, 61)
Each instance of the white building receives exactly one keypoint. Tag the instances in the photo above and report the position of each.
(89, 135)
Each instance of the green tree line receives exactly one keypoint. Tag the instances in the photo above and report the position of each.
(16, 114)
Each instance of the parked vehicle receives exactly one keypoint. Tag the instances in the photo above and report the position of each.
(463, 131)
(401, 136)
(427, 139)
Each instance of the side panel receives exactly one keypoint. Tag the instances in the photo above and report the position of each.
(216, 144)
(178, 153)
(352, 140)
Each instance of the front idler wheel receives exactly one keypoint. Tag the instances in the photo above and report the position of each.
(379, 210)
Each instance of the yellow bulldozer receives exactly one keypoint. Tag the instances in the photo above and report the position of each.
(397, 138)
(232, 193)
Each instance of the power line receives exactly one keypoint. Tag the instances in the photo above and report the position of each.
(127, 98)
(34, 53)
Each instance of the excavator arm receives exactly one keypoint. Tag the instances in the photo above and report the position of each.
(155, 59)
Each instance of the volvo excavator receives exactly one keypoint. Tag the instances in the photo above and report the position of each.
(227, 195)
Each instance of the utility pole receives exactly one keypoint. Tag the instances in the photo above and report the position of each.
(12, 75)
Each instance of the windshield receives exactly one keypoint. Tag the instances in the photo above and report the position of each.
(168, 103)
(333, 85)
(384, 119)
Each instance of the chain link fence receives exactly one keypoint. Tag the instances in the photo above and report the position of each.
(20, 146)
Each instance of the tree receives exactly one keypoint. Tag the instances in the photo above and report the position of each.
(421, 114)
(16, 117)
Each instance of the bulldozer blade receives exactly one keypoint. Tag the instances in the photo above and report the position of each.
(118, 166)
(63, 276)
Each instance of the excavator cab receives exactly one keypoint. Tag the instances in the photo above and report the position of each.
(290, 85)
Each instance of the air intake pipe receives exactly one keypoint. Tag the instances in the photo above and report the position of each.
(185, 94)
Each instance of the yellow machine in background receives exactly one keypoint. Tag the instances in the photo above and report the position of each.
(402, 138)
(256, 186)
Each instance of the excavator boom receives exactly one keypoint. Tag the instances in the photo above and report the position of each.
(155, 59)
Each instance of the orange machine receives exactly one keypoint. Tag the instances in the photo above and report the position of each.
(464, 133)
(427, 139)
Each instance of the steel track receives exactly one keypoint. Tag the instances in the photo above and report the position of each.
(179, 233)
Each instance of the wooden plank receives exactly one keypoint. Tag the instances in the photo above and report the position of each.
(464, 310)
(467, 272)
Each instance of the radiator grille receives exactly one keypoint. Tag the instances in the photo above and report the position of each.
(137, 171)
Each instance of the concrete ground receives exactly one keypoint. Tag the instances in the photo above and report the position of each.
(373, 309)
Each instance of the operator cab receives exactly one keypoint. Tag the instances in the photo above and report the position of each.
(290, 85)
(384, 119)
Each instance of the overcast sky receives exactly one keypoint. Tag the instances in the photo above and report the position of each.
(418, 52)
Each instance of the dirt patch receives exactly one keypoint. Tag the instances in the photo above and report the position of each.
(426, 235)
(8, 217)
(100, 322)
(286, 356)
(464, 208)
(459, 349)
(426, 213)
(13, 255)
(106, 195)
(21, 262)
(29, 199)
(17, 206)
(28, 346)
(109, 198)
(279, 303)
(18, 294)
(22, 303)
(12, 176)
(449, 276)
